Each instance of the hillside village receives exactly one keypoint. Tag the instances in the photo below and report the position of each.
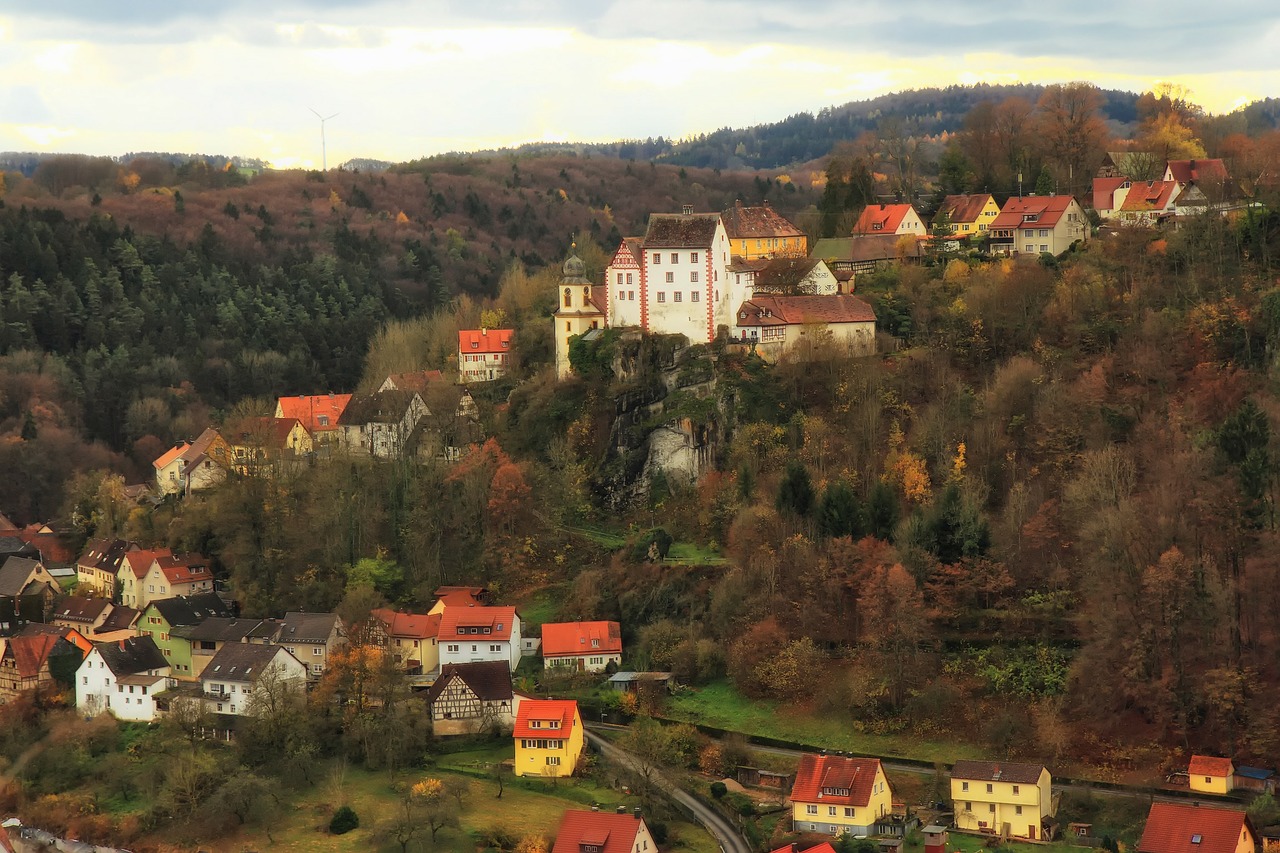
(141, 633)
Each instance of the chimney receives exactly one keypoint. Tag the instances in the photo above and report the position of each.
(688, 210)
(1193, 164)
(622, 809)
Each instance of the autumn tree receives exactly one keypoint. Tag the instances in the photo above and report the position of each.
(1072, 131)
(895, 627)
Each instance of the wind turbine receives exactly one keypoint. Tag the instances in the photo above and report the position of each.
(324, 155)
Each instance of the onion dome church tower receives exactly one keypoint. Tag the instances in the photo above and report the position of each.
(579, 309)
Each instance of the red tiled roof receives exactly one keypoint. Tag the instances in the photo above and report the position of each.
(881, 218)
(1208, 765)
(1047, 210)
(1104, 192)
(188, 568)
(484, 340)
(798, 310)
(140, 561)
(309, 410)
(581, 638)
(460, 596)
(50, 544)
(824, 847)
(416, 381)
(1203, 169)
(565, 711)
(170, 455)
(30, 652)
(455, 621)
(1186, 828)
(823, 774)
(419, 626)
(611, 833)
(964, 208)
(1149, 195)
(763, 221)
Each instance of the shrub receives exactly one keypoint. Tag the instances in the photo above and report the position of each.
(719, 789)
(344, 820)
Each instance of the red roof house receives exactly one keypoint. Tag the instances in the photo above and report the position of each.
(834, 794)
(601, 832)
(889, 219)
(1196, 171)
(540, 711)
(319, 413)
(484, 340)
(589, 646)
(1189, 828)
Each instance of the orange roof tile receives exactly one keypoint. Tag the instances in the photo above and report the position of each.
(581, 638)
(1149, 195)
(608, 833)
(318, 412)
(1104, 192)
(485, 340)
(881, 218)
(492, 622)
(170, 455)
(1187, 828)
(1046, 210)
(840, 781)
(1208, 765)
(188, 568)
(140, 561)
(798, 310)
(418, 626)
(963, 208)
(30, 652)
(562, 711)
(1203, 169)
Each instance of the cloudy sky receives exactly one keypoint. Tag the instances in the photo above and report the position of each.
(413, 78)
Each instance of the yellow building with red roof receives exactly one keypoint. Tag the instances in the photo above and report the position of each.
(549, 738)
(761, 232)
(1209, 774)
(834, 795)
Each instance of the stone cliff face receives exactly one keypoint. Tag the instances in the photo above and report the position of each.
(667, 422)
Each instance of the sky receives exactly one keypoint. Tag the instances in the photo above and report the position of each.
(408, 79)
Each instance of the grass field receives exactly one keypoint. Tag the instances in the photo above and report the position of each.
(720, 705)
(977, 843)
(525, 807)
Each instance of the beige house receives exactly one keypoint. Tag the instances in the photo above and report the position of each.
(1038, 225)
(311, 638)
(98, 566)
(381, 424)
(190, 467)
(410, 638)
(171, 575)
(776, 324)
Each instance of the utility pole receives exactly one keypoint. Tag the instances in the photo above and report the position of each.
(324, 154)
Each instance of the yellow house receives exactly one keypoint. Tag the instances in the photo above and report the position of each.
(968, 214)
(256, 441)
(549, 738)
(836, 795)
(1210, 775)
(762, 232)
(1005, 798)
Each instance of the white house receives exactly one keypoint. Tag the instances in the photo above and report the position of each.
(475, 634)
(896, 219)
(483, 354)
(228, 681)
(122, 679)
(380, 424)
(581, 646)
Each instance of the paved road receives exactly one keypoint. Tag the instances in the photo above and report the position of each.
(729, 839)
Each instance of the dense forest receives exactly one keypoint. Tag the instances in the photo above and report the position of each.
(1043, 518)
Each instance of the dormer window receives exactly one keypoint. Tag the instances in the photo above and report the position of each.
(476, 344)
(877, 226)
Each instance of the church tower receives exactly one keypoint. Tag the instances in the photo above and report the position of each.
(579, 309)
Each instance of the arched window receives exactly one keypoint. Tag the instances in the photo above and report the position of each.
(586, 293)
(568, 298)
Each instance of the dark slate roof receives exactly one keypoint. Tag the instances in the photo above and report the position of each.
(489, 680)
(119, 619)
(218, 629)
(240, 662)
(14, 575)
(307, 627)
(12, 546)
(381, 407)
(190, 609)
(784, 273)
(77, 608)
(997, 771)
(872, 247)
(105, 554)
(681, 230)
(131, 656)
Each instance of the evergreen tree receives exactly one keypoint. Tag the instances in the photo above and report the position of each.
(840, 513)
(882, 512)
(795, 494)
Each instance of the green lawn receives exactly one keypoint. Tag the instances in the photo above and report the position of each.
(688, 553)
(976, 843)
(539, 609)
(720, 705)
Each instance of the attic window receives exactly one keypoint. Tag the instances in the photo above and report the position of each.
(323, 420)
(504, 344)
(475, 345)
(1196, 839)
(877, 226)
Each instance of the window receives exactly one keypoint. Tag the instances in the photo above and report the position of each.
(1044, 232)
(317, 651)
(964, 786)
(662, 297)
(810, 809)
(657, 257)
(988, 789)
(671, 277)
(495, 648)
(1015, 790)
(317, 668)
(629, 278)
(848, 812)
(1044, 247)
(619, 278)
(219, 707)
(553, 760)
(1017, 809)
(693, 257)
(453, 647)
(693, 276)
(1030, 248)
(675, 257)
(992, 808)
(831, 810)
(695, 297)
(968, 807)
(86, 679)
(631, 296)
(679, 295)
